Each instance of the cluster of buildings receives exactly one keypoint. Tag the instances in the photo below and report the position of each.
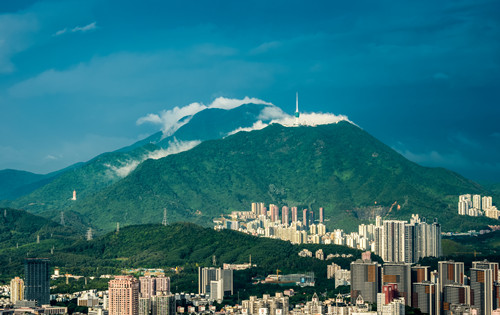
(477, 206)
(280, 305)
(444, 291)
(215, 282)
(393, 240)
(32, 295)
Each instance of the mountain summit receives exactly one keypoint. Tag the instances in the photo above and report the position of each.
(338, 166)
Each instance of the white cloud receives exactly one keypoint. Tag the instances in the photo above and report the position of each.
(256, 126)
(82, 29)
(311, 119)
(150, 118)
(86, 28)
(230, 103)
(171, 120)
(60, 32)
(272, 112)
(305, 119)
(125, 167)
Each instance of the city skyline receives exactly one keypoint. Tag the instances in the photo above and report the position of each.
(90, 73)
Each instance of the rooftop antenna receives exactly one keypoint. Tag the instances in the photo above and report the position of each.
(297, 113)
(164, 221)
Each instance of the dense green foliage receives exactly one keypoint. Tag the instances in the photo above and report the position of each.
(339, 167)
(18, 228)
(182, 245)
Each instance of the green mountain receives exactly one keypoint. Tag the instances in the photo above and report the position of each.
(339, 167)
(51, 194)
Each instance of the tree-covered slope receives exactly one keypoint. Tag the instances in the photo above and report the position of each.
(181, 244)
(18, 227)
(90, 177)
(339, 167)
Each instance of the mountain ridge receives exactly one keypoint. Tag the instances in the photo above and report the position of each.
(339, 167)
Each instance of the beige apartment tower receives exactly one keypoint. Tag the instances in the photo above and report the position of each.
(124, 296)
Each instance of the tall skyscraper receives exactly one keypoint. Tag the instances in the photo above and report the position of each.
(294, 214)
(124, 296)
(37, 277)
(487, 202)
(483, 274)
(365, 280)
(321, 215)
(424, 297)
(163, 284)
(450, 272)
(285, 215)
(147, 286)
(476, 201)
(16, 290)
(393, 237)
(305, 220)
(400, 274)
(207, 275)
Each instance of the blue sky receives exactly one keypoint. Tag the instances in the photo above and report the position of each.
(422, 76)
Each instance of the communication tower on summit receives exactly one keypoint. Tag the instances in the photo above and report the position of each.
(297, 113)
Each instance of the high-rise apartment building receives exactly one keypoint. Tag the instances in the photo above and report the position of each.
(487, 202)
(163, 304)
(147, 286)
(483, 274)
(16, 290)
(454, 294)
(420, 273)
(393, 236)
(463, 207)
(423, 296)
(207, 275)
(450, 272)
(285, 215)
(365, 280)
(163, 284)
(37, 277)
(321, 215)
(476, 201)
(294, 214)
(124, 296)
(400, 274)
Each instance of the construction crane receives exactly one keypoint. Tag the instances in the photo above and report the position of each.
(278, 275)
